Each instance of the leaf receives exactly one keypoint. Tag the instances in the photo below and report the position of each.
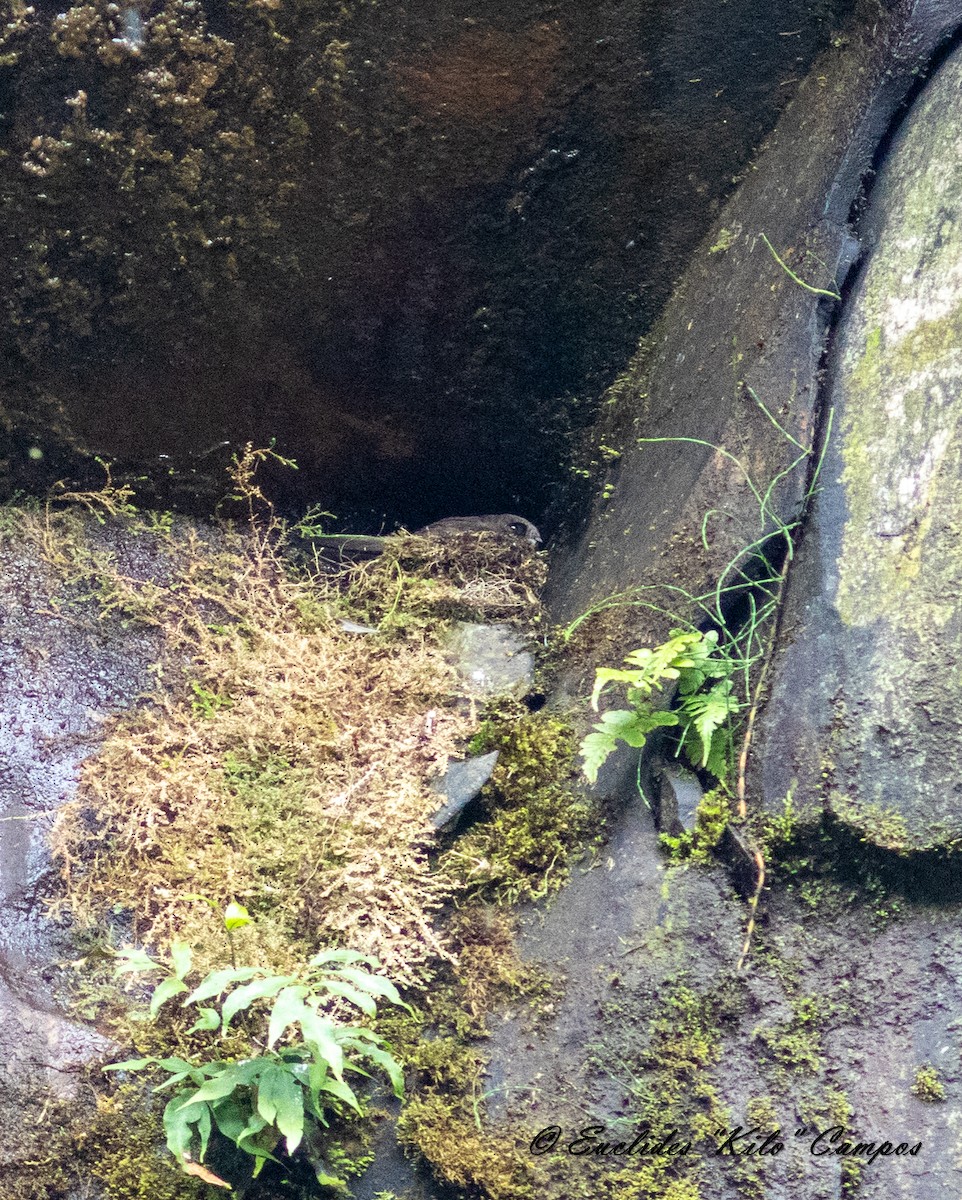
(343, 956)
(720, 755)
(230, 1117)
(320, 1036)
(703, 663)
(217, 981)
(136, 960)
(203, 1128)
(261, 1135)
(606, 675)
(319, 1080)
(355, 1035)
(182, 957)
(377, 985)
(289, 1007)
(178, 1127)
(198, 1169)
(228, 1079)
(280, 1101)
(243, 997)
(709, 711)
(338, 988)
(208, 1020)
(325, 1179)
(131, 1064)
(391, 1067)
(315, 1075)
(236, 916)
(619, 725)
(664, 661)
(241, 1124)
(177, 1064)
(164, 990)
(176, 1080)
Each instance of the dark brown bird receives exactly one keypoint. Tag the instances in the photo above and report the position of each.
(503, 524)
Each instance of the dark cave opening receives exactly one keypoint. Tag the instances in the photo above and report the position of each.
(484, 216)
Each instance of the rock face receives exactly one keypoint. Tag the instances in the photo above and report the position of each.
(867, 707)
(843, 1019)
(397, 238)
(738, 331)
(62, 673)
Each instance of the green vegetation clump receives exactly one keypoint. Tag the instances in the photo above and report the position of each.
(674, 1084)
(291, 1074)
(705, 707)
(927, 1085)
(712, 818)
(284, 763)
(796, 1044)
(460, 1153)
(538, 818)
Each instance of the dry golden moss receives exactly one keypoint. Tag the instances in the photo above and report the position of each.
(289, 771)
(285, 762)
(468, 576)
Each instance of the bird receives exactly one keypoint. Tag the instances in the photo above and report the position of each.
(503, 525)
(506, 525)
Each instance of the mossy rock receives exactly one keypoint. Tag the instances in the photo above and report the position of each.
(866, 714)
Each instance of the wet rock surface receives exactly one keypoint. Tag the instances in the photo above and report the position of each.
(839, 1008)
(849, 998)
(866, 702)
(491, 660)
(738, 331)
(63, 672)
(461, 783)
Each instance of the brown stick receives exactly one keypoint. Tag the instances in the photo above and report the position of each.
(740, 787)
(757, 698)
(753, 905)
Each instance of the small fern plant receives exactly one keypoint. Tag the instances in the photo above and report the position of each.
(706, 702)
(294, 1078)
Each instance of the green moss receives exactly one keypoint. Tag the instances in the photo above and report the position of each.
(725, 240)
(760, 1111)
(927, 1085)
(795, 1044)
(118, 1143)
(538, 818)
(711, 820)
(882, 826)
(444, 1133)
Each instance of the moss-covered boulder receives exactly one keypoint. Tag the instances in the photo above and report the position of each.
(866, 715)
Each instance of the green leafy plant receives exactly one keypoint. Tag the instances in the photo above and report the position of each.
(703, 676)
(294, 1076)
(207, 703)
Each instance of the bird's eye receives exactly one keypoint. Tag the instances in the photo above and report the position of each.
(518, 528)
